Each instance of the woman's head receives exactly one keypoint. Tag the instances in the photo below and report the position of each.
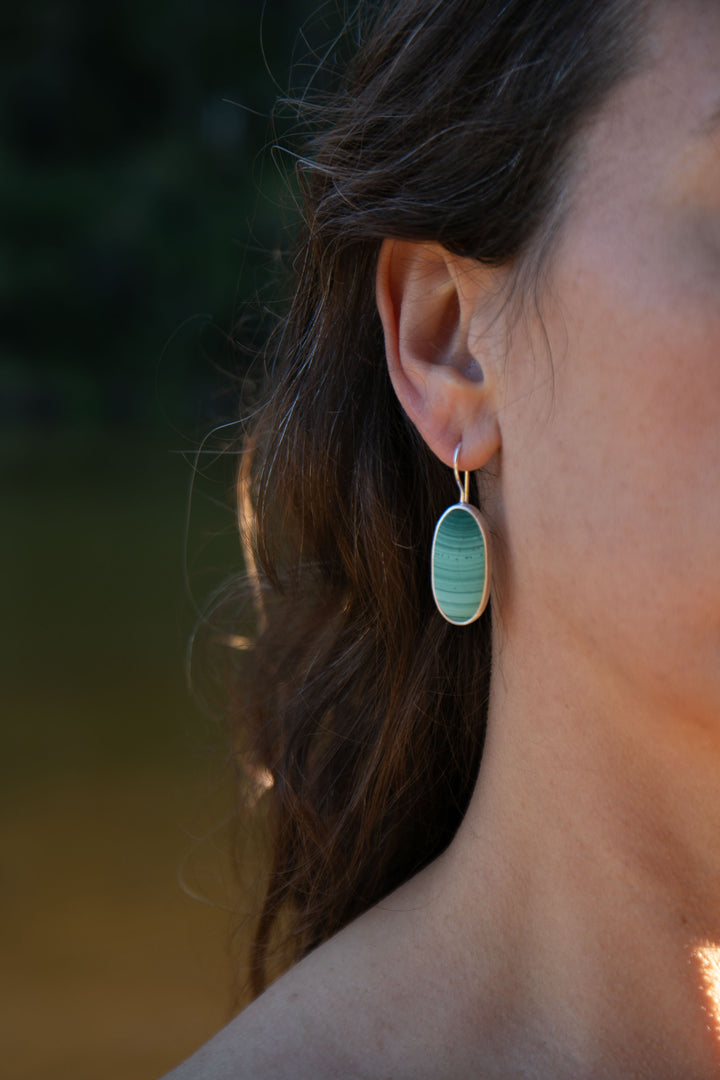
(606, 452)
(451, 167)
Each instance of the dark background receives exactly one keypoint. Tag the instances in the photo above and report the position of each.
(141, 216)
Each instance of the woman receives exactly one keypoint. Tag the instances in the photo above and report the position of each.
(511, 259)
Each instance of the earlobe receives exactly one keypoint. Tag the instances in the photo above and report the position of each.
(441, 366)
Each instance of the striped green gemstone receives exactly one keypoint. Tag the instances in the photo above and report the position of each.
(458, 563)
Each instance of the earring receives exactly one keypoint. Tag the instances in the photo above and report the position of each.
(460, 559)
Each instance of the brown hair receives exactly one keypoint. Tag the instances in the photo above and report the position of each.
(360, 710)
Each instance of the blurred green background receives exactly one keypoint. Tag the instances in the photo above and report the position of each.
(140, 219)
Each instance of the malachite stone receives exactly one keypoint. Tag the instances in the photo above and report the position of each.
(459, 565)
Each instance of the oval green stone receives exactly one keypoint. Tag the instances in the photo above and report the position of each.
(458, 565)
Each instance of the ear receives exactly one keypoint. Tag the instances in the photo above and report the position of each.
(440, 319)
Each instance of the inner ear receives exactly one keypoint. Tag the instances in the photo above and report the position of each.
(428, 299)
(426, 305)
(429, 316)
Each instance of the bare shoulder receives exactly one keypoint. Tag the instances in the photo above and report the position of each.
(352, 1008)
(314, 1022)
(274, 1036)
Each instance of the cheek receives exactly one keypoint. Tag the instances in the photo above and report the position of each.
(613, 468)
(636, 344)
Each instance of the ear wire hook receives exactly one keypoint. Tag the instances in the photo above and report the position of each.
(464, 489)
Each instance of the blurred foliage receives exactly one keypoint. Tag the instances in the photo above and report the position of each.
(138, 214)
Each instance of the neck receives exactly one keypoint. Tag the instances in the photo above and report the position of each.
(595, 832)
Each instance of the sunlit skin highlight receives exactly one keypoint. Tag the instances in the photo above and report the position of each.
(707, 958)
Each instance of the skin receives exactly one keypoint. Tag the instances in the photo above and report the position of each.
(568, 931)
